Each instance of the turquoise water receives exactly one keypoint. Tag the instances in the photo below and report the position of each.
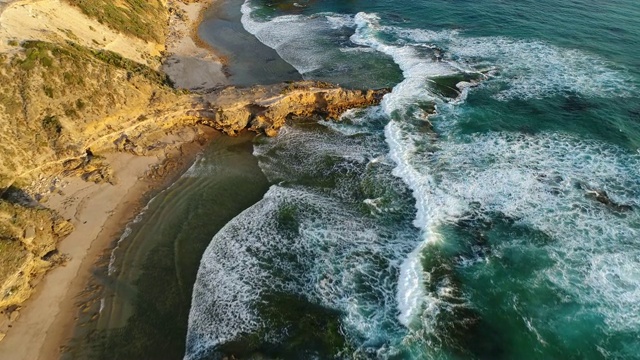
(488, 208)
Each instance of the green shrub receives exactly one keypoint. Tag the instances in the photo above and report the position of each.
(48, 90)
(12, 254)
(52, 126)
(36, 52)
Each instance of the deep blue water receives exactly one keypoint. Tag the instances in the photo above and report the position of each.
(488, 208)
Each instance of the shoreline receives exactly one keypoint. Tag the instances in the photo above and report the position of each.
(249, 62)
(189, 59)
(46, 321)
(165, 242)
(195, 26)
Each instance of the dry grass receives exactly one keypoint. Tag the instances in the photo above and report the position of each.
(145, 19)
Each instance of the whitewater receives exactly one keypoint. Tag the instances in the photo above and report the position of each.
(488, 208)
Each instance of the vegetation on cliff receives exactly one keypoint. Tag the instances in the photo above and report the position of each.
(55, 98)
(144, 19)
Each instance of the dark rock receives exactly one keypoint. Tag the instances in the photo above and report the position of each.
(602, 197)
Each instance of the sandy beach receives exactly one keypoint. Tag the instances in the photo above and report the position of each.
(99, 212)
(96, 211)
(190, 63)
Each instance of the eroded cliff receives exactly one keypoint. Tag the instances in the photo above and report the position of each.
(29, 234)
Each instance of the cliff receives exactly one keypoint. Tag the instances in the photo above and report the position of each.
(29, 234)
(65, 80)
(80, 78)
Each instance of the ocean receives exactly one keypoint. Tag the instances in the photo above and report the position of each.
(488, 208)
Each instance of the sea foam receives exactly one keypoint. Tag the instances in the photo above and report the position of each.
(504, 179)
(297, 38)
(541, 181)
(314, 232)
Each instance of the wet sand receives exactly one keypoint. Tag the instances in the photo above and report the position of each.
(99, 212)
(190, 63)
(249, 62)
(138, 308)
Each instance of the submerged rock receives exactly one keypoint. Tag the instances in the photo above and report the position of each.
(602, 197)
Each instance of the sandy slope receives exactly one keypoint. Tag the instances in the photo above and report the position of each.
(55, 20)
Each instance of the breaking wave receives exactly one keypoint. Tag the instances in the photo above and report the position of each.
(339, 230)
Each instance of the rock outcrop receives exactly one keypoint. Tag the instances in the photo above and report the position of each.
(29, 234)
(265, 109)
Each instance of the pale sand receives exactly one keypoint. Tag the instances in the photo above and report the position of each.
(99, 213)
(55, 20)
(189, 64)
(89, 206)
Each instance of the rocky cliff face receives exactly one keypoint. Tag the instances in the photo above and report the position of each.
(56, 99)
(60, 90)
(29, 234)
(64, 99)
(53, 100)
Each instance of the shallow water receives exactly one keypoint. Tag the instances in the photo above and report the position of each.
(505, 225)
(147, 288)
(249, 62)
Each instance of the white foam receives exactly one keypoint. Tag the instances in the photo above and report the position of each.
(537, 180)
(417, 70)
(535, 69)
(411, 294)
(223, 295)
(289, 36)
(200, 168)
(525, 68)
(530, 69)
(338, 21)
(337, 249)
(312, 149)
(297, 38)
(317, 45)
(347, 261)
